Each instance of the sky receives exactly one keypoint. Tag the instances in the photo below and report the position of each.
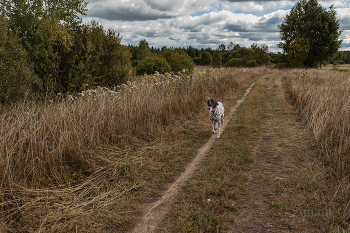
(202, 23)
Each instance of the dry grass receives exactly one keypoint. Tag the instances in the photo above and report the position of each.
(64, 165)
(322, 97)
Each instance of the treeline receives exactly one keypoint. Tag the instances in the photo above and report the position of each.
(148, 59)
(341, 57)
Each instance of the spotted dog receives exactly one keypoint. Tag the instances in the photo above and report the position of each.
(216, 114)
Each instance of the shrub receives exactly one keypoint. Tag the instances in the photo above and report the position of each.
(178, 60)
(205, 59)
(196, 60)
(152, 64)
(251, 63)
(338, 62)
(234, 62)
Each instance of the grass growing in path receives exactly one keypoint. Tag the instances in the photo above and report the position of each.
(208, 202)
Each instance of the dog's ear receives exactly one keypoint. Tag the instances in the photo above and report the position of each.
(215, 104)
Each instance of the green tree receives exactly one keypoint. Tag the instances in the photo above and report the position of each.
(251, 63)
(96, 56)
(178, 60)
(150, 65)
(17, 75)
(143, 50)
(205, 59)
(45, 29)
(217, 59)
(314, 24)
(298, 52)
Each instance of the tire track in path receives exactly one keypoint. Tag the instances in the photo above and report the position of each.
(155, 212)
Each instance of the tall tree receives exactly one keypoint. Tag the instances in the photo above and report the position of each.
(217, 59)
(45, 29)
(16, 72)
(143, 50)
(314, 26)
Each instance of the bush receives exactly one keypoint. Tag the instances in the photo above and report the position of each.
(205, 59)
(152, 64)
(196, 60)
(251, 63)
(178, 60)
(16, 74)
(234, 62)
(338, 62)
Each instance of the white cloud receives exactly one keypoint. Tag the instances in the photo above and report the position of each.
(169, 22)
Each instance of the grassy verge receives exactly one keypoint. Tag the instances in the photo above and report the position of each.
(322, 100)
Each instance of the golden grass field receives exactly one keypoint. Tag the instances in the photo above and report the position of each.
(89, 162)
(70, 161)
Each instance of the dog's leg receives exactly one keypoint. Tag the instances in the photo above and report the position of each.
(218, 135)
(212, 126)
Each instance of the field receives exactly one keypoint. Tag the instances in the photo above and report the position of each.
(108, 154)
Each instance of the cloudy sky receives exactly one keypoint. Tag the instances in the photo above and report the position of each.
(202, 23)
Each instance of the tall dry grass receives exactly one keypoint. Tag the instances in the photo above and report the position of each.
(54, 168)
(323, 99)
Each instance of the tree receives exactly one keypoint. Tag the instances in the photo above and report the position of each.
(298, 52)
(178, 60)
(150, 65)
(222, 47)
(96, 56)
(205, 59)
(44, 27)
(217, 60)
(316, 26)
(16, 72)
(143, 50)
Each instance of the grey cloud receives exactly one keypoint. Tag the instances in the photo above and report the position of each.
(258, 36)
(345, 23)
(164, 5)
(264, 25)
(126, 12)
(238, 27)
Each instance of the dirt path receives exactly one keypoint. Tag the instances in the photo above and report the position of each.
(156, 211)
(280, 196)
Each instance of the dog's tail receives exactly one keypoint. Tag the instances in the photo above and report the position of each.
(208, 97)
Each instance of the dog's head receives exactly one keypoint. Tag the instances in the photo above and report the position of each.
(212, 104)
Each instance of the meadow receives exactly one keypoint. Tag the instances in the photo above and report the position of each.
(68, 162)
(80, 158)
